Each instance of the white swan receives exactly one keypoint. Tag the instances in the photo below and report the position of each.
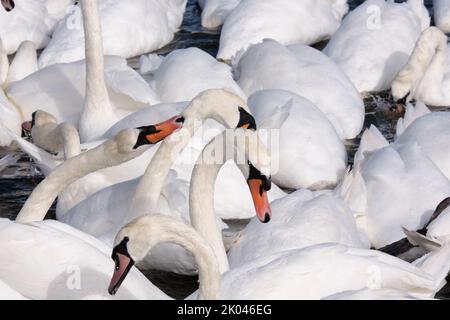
(312, 273)
(32, 20)
(91, 95)
(150, 25)
(8, 293)
(309, 152)
(104, 213)
(442, 14)
(214, 12)
(289, 22)
(185, 73)
(64, 140)
(71, 264)
(426, 76)
(375, 41)
(392, 186)
(304, 71)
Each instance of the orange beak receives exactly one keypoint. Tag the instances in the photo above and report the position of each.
(158, 132)
(260, 200)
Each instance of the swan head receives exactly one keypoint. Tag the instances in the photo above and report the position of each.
(158, 132)
(222, 106)
(8, 4)
(38, 118)
(123, 262)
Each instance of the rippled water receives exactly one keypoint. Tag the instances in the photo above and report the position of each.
(18, 181)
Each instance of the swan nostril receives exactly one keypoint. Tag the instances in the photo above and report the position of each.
(266, 218)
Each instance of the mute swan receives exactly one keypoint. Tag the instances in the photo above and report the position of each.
(184, 73)
(76, 262)
(442, 14)
(64, 139)
(426, 76)
(311, 273)
(304, 71)
(310, 153)
(376, 294)
(92, 95)
(392, 186)
(124, 147)
(214, 12)
(375, 41)
(289, 22)
(154, 23)
(104, 213)
(32, 20)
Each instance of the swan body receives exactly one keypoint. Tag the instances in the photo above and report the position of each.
(8, 293)
(304, 71)
(442, 14)
(31, 20)
(375, 41)
(367, 294)
(312, 273)
(383, 174)
(105, 212)
(286, 21)
(300, 219)
(59, 90)
(50, 260)
(185, 73)
(426, 76)
(154, 25)
(214, 12)
(310, 153)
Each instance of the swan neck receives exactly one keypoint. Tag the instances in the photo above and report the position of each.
(96, 99)
(43, 196)
(150, 186)
(208, 269)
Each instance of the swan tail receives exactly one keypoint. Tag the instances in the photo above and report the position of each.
(371, 140)
(418, 239)
(352, 189)
(412, 114)
(149, 63)
(436, 264)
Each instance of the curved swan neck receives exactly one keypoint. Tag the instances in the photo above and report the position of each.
(97, 103)
(201, 193)
(214, 104)
(106, 155)
(427, 63)
(70, 140)
(156, 229)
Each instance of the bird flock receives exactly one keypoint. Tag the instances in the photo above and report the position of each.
(151, 165)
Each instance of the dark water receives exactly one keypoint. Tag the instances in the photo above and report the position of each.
(18, 181)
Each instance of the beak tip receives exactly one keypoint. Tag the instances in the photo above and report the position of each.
(266, 218)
